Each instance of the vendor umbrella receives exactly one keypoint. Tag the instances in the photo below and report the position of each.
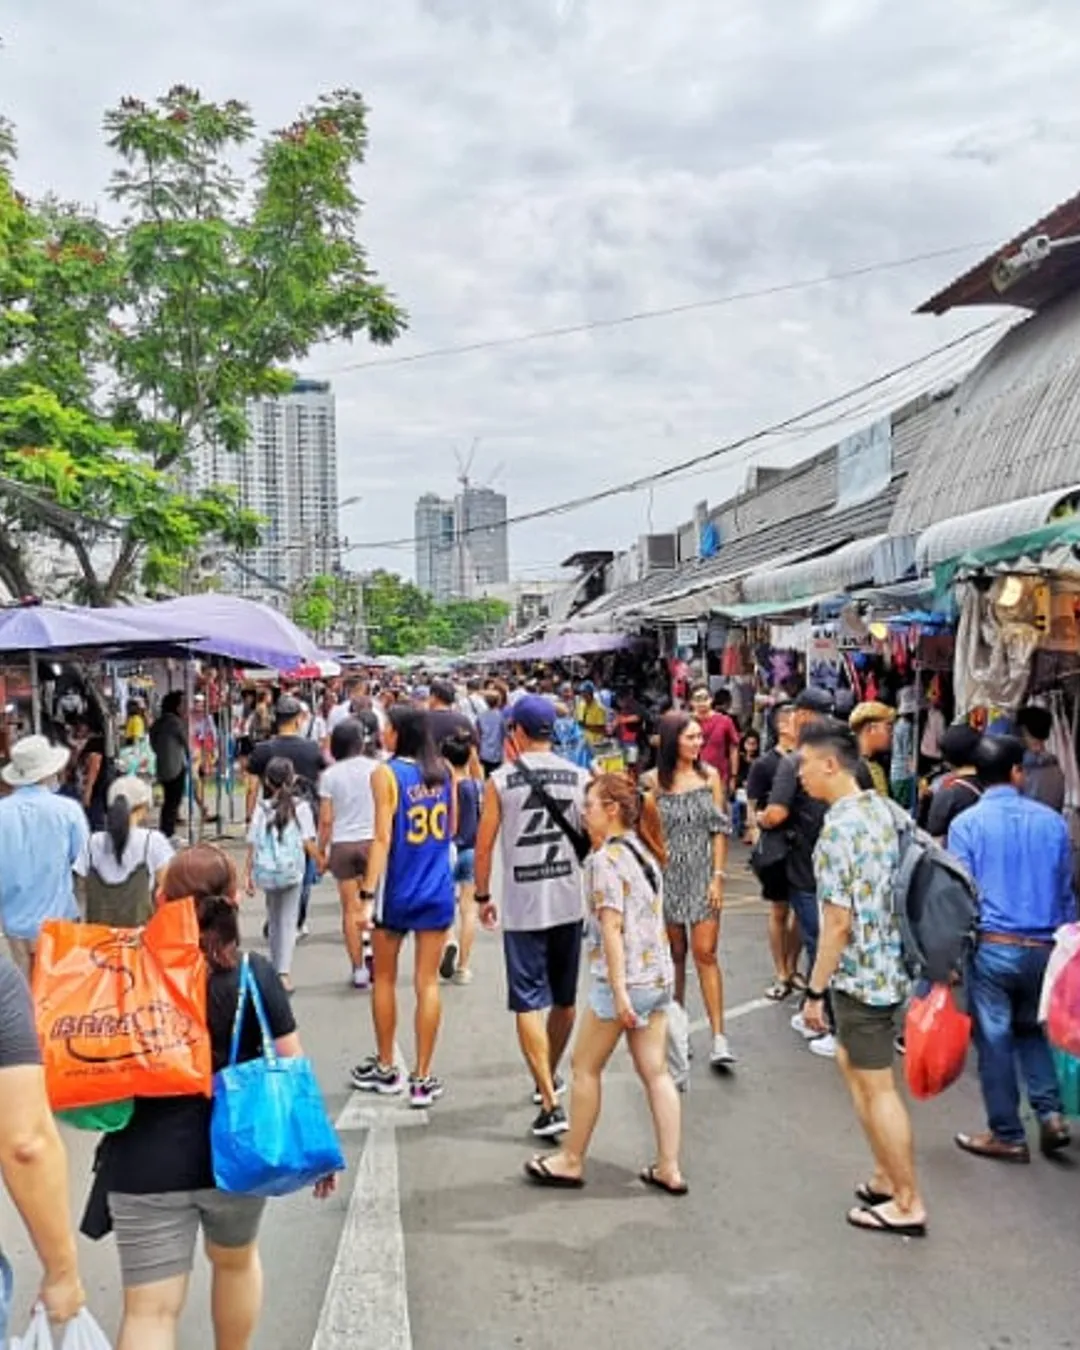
(59, 628)
(242, 630)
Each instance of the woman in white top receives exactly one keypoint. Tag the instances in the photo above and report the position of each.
(120, 867)
(347, 827)
(280, 841)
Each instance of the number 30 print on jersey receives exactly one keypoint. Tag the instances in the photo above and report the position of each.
(419, 892)
(542, 879)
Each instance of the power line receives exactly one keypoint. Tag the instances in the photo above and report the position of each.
(668, 311)
(707, 456)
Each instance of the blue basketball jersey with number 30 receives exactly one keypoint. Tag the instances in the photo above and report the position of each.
(419, 890)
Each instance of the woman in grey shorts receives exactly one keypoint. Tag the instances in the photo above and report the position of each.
(154, 1183)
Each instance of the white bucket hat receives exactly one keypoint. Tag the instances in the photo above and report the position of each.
(33, 760)
(135, 790)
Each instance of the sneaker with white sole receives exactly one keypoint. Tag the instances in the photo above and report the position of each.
(721, 1057)
(825, 1046)
(371, 1076)
(549, 1124)
(424, 1091)
(462, 977)
(448, 964)
(361, 978)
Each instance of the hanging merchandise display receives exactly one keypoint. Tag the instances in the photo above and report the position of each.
(995, 643)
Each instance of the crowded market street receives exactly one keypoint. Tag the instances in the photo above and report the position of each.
(434, 1239)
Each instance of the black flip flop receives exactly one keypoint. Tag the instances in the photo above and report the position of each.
(540, 1174)
(882, 1225)
(651, 1177)
(869, 1196)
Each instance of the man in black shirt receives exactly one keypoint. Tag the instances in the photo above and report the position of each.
(769, 859)
(958, 789)
(447, 723)
(306, 757)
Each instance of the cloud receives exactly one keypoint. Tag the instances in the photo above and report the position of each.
(551, 162)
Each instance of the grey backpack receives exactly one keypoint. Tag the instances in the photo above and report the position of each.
(936, 903)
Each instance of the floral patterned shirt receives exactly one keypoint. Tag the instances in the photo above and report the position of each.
(855, 861)
(614, 879)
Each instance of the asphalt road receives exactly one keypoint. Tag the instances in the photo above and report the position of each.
(434, 1241)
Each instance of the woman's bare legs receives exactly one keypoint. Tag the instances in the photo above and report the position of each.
(384, 996)
(351, 920)
(704, 941)
(236, 1294)
(429, 950)
(151, 1312)
(648, 1049)
(595, 1044)
(676, 934)
(467, 926)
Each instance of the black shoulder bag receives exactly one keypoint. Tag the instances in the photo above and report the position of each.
(578, 841)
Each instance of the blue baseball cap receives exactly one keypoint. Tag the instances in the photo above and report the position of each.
(535, 715)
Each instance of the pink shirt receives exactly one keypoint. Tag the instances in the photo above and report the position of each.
(721, 739)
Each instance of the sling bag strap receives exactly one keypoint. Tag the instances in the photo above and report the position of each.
(555, 809)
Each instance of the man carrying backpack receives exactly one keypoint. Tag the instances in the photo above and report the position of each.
(860, 959)
(1018, 852)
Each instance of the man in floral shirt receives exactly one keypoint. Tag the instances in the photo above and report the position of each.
(859, 958)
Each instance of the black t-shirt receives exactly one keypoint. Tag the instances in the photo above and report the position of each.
(760, 777)
(806, 815)
(18, 1038)
(166, 1147)
(952, 799)
(305, 756)
(447, 724)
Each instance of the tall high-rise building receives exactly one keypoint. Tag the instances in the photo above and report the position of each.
(483, 557)
(287, 475)
(435, 534)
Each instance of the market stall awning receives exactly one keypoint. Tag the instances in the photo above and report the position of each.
(242, 630)
(1052, 547)
(60, 628)
(992, 526)
(769, 609)
(853, 564)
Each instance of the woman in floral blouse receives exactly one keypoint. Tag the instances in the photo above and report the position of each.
(630, 985)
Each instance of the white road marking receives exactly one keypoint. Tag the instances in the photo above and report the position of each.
(733, 1014)
(367, 1305)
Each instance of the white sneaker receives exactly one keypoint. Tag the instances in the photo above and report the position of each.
(721, 1052)
(361, 978)
(462, 977)
(798, 1023)
(825, 1046)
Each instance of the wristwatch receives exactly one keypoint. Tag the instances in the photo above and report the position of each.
(814, 996)
(482, 899)
(367, 895)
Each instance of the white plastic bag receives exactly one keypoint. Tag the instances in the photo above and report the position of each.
(81, 1333)
(678, 1044)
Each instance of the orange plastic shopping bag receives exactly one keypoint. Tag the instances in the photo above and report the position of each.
(121, 1012)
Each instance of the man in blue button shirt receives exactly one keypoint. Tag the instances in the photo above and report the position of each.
(41, 836)
(1018, 852)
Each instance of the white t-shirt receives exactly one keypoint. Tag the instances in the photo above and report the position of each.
(338, 714)
(347, 786)
(264, 814)
(97, 853)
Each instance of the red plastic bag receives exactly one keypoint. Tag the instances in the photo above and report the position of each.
(936, 1035)
(1063, 1017)
(121, 1012)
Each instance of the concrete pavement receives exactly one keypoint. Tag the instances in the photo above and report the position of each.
(434, 1241)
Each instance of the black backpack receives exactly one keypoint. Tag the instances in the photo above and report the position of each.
(936, 904)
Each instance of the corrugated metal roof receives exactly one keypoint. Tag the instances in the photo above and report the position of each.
(1035, 289)
(1011, 429)
(849, 565)
(982, 529)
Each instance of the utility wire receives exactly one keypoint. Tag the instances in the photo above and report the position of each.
(643, 315)
(707, 456)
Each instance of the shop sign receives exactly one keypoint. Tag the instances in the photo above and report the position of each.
(823, 663)
(686, 635)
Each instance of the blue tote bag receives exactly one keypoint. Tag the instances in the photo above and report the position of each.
(269, 1131)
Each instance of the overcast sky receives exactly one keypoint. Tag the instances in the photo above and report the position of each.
(536, 163)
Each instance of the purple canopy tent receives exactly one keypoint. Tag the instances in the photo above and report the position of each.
(559, 648)
(242, 630)
(57, 628)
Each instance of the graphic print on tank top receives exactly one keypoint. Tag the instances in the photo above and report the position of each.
(541, 849)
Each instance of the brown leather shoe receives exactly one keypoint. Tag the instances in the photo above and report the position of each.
(987, 1145)
(1054, 1135)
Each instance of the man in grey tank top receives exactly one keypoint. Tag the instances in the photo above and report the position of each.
(542, 903)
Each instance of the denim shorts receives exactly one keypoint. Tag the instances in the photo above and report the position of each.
(644, 1001)
(7, 1283)
(465, 867)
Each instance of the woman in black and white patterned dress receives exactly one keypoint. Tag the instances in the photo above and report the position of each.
(690, 798)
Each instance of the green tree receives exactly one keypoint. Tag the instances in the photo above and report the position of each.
(125, 345)
(402, 620)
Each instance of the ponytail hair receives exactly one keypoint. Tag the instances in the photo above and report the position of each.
(637, 811)
(118, 824)
(279, 782)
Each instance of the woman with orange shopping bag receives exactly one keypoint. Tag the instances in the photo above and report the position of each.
(154, 1184)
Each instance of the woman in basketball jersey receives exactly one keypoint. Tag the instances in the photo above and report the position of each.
(414, 826)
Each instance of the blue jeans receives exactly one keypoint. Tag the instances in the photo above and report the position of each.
(805, 905)
(1005, 985)
(6, 1285)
